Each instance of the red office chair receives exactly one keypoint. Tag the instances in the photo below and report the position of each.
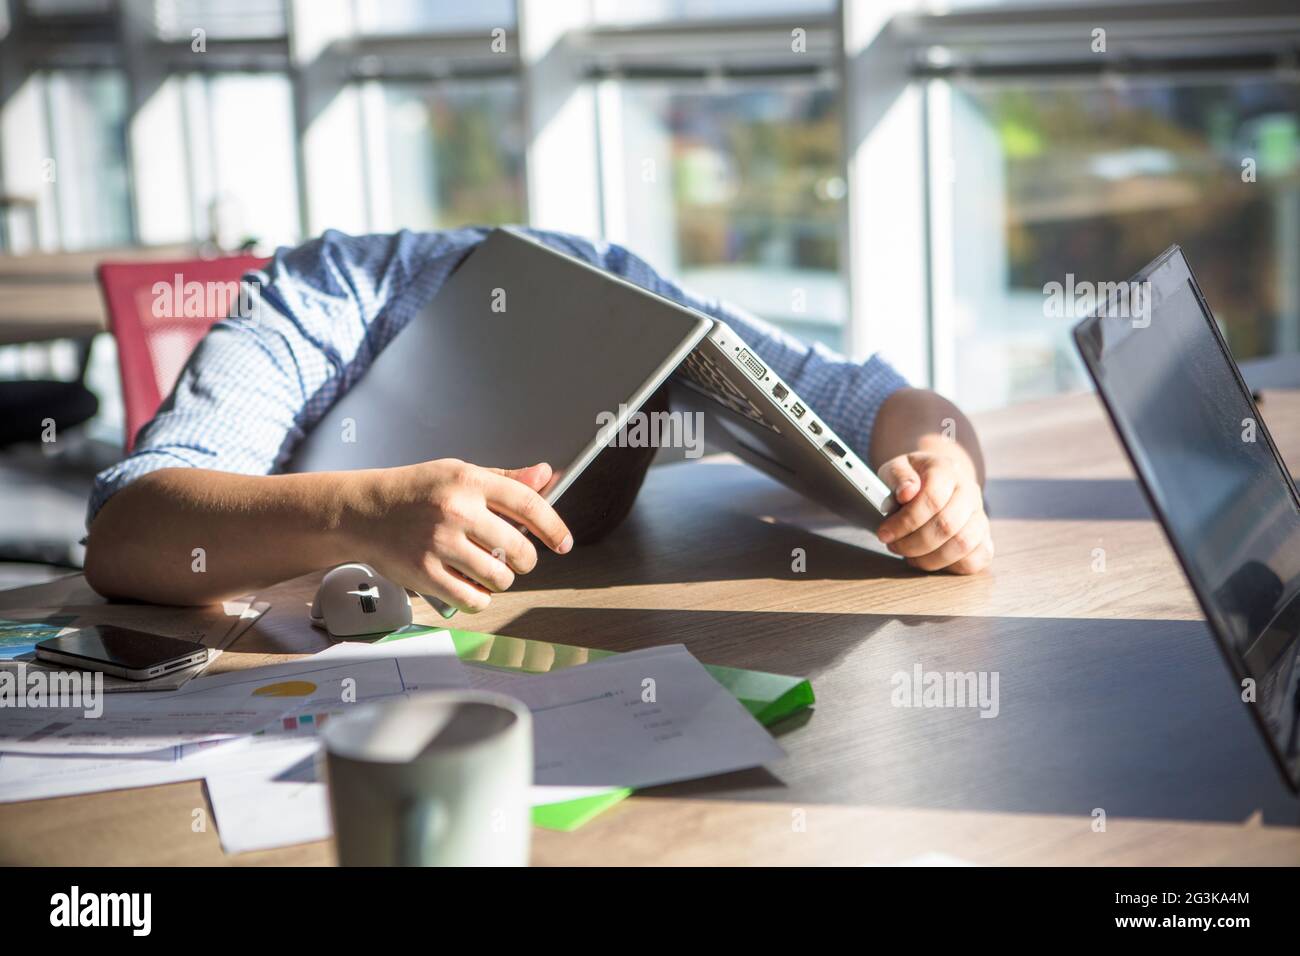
(154, 335)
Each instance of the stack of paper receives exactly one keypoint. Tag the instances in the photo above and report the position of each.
(630, 720)
(160, 738)
(635, 720)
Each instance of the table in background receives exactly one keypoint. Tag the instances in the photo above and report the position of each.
(55, 295)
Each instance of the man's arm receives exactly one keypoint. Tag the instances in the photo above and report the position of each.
(196, 536)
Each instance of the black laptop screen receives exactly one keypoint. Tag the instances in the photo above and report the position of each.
(1211, 470)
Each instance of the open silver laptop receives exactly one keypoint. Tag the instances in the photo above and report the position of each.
(527, 354)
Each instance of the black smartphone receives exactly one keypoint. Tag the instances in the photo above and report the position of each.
(121, 652)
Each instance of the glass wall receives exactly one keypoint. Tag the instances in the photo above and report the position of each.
(737, 193)
(86, 120)
(448, 156)
(244, 183)
(694, 133)
(1092, 181)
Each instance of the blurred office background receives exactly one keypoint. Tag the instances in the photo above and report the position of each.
(879, 175)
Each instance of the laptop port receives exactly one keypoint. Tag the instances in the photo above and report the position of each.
(814, 428)
(832, 447)
(797, 409)
(780, 392)
(751, 364)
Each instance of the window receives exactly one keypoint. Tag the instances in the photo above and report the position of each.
(1092, 180)
(447, 156)
(697, 134)
(737, 193)
(244, 183)
(86, 116)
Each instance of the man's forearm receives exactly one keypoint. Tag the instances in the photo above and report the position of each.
(193, 536)
(915, 419)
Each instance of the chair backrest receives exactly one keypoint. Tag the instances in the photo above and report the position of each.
(158, 312)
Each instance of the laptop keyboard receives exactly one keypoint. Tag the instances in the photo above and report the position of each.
(702, 374)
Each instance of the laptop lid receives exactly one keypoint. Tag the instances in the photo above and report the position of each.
(513, 362)
(1214, 479)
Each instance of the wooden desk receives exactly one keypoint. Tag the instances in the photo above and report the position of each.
(80, 265)
(1111, 696)
(54, 295)
(44, 311)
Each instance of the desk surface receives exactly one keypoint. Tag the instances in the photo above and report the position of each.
(54, 295)
(40, 312)
(1111, 697)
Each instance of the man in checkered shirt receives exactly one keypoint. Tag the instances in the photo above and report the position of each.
(206, 471)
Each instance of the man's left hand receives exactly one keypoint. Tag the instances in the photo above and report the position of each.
(940, 524)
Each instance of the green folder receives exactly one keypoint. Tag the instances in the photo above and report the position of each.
(769, 697)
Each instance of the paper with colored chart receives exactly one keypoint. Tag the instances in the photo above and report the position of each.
(600, 722)
(327, 684)
(292, 698)
(280, 697)
(647, 717)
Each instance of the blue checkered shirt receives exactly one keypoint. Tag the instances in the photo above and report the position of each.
(259, 382)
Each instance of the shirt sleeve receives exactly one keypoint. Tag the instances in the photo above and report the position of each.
(846, 395)
(259, 380)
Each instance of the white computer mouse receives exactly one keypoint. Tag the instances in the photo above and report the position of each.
(355, 600)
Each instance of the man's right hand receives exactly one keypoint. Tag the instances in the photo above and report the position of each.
(452, 529)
